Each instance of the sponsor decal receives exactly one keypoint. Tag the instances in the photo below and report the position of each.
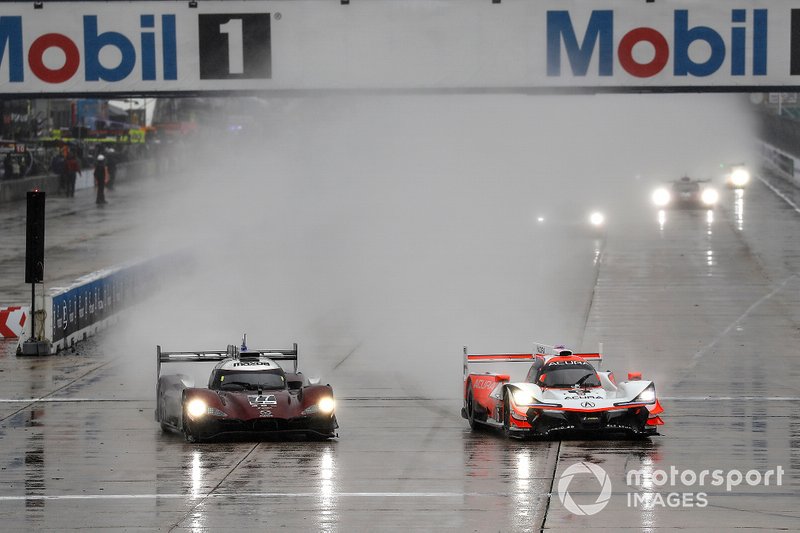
(230, 46)
(487, 384)
(258, 400)
(93, 40)
(748, 31)
(235, 46)
(583, 397)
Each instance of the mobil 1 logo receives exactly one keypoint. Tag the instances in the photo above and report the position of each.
(235, 46)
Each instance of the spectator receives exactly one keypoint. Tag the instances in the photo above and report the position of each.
(71, 168)
(111, 163)
(58, 167)
(16, 168)
(100, 179)
(7, 172)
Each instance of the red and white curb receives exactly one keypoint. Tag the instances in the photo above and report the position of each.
(12, 321)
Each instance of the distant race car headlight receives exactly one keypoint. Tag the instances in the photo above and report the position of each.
(661, 197)
(597, 219)
(196, 408)
(710, 196)
(522, 398)
(326, 405)
(740, 177)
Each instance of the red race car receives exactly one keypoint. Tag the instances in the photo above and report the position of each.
(554, 392)
(248, 394)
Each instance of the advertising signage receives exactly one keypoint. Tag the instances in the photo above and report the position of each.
(398, 45)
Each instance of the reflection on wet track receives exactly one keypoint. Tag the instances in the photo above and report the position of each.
(706, 305)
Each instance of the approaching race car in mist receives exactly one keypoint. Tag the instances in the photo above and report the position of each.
(591, 222)
(560, 393)
(686, 192)
(738, 177)
(248, 394)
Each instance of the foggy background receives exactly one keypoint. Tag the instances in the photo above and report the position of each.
(384, 233)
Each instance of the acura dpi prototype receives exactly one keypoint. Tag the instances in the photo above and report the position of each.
(560, 393)
(248, 394)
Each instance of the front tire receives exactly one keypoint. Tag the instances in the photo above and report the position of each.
(506, 414)
(187, 432)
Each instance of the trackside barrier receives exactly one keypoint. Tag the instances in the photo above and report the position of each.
(94, 301)
(782, 163)
(12, 321)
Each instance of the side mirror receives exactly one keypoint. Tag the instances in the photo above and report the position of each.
(634, 376)
(314, 381)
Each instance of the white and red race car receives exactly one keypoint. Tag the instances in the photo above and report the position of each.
(555, 392)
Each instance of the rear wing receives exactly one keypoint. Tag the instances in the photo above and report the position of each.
(232, 352)
(542, 350)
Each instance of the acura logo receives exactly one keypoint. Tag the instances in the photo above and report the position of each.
(587, 404)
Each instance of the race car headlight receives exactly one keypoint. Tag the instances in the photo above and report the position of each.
(597, 219)
(661, 197)
(740, 177)
(522, 398)
(648, 395)
(196, 408)
(709, 196)
(325, 406)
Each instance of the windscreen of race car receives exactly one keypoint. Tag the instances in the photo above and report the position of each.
(568, 375)
(232, 380)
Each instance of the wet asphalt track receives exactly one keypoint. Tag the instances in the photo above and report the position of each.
(708, 308)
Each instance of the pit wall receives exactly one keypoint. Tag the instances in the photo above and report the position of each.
(93, 302)
(781, 163)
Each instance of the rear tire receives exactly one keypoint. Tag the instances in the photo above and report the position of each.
(473, 424)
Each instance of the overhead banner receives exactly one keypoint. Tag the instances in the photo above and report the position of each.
(406, 45)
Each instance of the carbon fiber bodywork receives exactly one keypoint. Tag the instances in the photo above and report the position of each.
(321, 426)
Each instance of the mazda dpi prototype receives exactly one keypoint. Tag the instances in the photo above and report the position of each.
(248, 394)
(561, 393)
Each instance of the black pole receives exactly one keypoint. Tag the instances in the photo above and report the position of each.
(34, 264)
(33, 311)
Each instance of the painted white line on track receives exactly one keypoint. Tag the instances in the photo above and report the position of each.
(704, 351)
(779, 194)
(69, 400)
(731, 398)
(50, 497)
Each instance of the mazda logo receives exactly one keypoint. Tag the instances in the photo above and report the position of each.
(587, 404)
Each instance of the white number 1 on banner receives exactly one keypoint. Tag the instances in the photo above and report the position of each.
(233, 29)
